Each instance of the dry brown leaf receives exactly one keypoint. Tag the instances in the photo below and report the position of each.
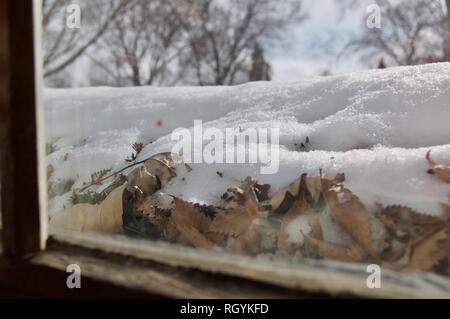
(251, 204)
(348, 211)
(406, 230)
(250, 194)
(310, 189)
(192, 236)
(103, 218)
(327, 250)
(155, 200)
(314, 187)
(186, 214)
(156, 212)
(283, 200)
(77, 218)
(247, 243)
(317, 185)
(262, 188)
(260, 191)
(268, 231)
(111, 210)
(235, 196)
(407, 225)
(232, 222)
(161, 167)
(442, 171)
(242, 208)
(291, 190)
(431, 251)
(327, 182)
(142, 179)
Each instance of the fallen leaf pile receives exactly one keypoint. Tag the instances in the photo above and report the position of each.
(313, 217)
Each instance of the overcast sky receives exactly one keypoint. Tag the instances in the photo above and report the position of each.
(312, 47)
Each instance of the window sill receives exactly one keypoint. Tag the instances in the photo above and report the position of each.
(106, 275)
(124, 269)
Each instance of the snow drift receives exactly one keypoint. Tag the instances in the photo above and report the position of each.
(374, 126)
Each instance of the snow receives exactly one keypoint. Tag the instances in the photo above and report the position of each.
(300, 223)
(374, 126)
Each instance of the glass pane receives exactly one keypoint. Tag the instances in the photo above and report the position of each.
(287, 131)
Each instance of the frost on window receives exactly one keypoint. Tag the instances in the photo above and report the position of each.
(244, 128)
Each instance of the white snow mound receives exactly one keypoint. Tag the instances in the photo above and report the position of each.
(396, 115)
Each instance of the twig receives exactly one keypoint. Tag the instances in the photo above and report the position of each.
(127, 167)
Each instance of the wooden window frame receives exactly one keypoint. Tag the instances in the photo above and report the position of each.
(21, 193)
(32, 264)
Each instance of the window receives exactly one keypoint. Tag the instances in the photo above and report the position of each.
(237, 138)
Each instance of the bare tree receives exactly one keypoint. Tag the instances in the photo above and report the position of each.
(221, 35)
(164, 42)
(141, 48)
(62, 45)
(412, 32)
(261, 69)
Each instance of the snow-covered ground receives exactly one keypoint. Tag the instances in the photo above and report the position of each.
(374, 126)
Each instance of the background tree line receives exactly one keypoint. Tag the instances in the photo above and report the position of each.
(166, 42)
(220, 42)
(412, 32)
